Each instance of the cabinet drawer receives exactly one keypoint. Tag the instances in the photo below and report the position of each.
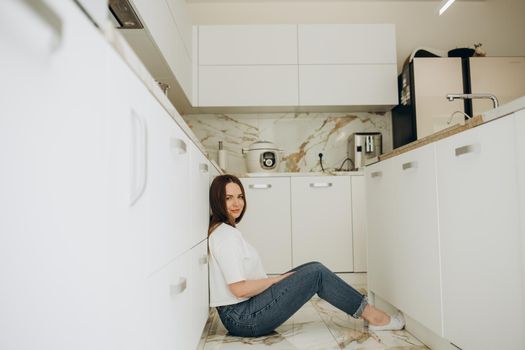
(339, 85)
(247, 44)
(248, 86)
(200, 209)
(347, 44)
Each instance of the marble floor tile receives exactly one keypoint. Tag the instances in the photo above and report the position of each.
(316, 326)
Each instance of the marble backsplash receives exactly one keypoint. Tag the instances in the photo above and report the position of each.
(302, 136)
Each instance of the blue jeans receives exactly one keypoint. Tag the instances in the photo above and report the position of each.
(263, 313)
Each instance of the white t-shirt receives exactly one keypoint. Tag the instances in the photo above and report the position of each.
(232, 259)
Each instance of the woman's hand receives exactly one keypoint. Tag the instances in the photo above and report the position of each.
(283, 276)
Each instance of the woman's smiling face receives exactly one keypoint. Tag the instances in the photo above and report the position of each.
(234, 200)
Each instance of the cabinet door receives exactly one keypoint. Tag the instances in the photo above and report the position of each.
(200, 207)
(247, 44)
(199, 291)
(53, 182)
(365, 85)
(416, 261)
(321, 221)
(171, 310)
(382, 213)
(266, 223)
(520, 156)
(347, 44)
(169, 184)
(480, 238)
(271, 85)
(359, 223)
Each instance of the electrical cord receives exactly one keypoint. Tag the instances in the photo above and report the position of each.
(342, 164)
(321, 161)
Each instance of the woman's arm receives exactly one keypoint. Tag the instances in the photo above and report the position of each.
(246, 289)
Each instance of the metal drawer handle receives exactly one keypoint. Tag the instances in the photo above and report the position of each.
(409, 165)
(321, 184)
(376, 174)
(204, 259)
(178, 145)
(179, 287)
(203, 167)
(466, 149)
(260, 186)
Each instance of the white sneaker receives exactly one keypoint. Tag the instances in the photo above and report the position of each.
(397, 322)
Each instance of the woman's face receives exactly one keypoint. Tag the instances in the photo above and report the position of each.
(234, 200)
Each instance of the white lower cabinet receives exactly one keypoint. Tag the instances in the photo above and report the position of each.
(179, 301)
(199, 180)
(359, 223)
(321, 221)
(520, 156)
(267, 224)
(480, 237)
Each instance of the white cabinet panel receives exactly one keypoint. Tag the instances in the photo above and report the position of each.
(347, 44)
(248, 86)
(168, 153)
(182, 17)
(247, 44)
(520, 156)
(416, 261)
(159, 22)
(382, 213)
(199, 177)
(267, 224)
(198, 288)
(359, 223)
(480, 238)
(348, 85)
(322, 232)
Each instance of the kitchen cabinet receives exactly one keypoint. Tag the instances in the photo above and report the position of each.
(249, 85)
(91, 165)
(321, 221)
(267, 222)
(347, 44)
(520, 156)
(480, 236)
(247, 45)
(342, 85)
(168, 25)
(359, 223)
(283, 65)
(199, 193)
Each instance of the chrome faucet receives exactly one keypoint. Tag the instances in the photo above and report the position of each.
(452, 97)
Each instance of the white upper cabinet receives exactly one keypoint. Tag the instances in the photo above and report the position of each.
(343, 85)
(347, 44)
(269, 85)
(247, 44)
(174, 39)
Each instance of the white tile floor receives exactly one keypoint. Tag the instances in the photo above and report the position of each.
(316, 326)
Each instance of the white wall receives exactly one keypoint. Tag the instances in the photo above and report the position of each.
(498, 24)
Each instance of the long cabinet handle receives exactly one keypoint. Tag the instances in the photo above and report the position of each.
(139, 153)
(178, 146)
(178, 287)
(321, 184)
(48, 15)
(376, 174)
(409, 165)
(260, 186)
(204, 259)
(203, 167)
(466, 149)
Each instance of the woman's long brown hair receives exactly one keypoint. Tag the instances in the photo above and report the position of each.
(219, 213)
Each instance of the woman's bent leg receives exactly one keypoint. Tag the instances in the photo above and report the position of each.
(263, 313)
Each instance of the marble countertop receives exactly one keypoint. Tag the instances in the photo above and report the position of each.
(486, 117)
